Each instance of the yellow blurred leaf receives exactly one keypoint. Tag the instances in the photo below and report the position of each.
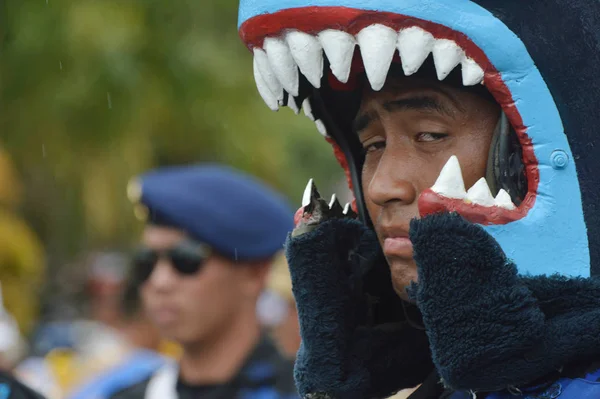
(10, 186)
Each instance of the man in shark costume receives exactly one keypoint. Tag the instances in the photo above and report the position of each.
(481, 293)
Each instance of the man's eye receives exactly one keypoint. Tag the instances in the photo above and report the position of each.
(374, 146)
(429, 136)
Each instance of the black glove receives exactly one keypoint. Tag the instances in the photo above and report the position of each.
(345, 353)
(489, 328)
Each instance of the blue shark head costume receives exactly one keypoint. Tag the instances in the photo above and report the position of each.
(509, 312)
(536, 58)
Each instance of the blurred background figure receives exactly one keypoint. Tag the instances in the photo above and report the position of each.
(277, 308)
(116, 327)
(105, 284)
(11, 388)
(79, 334)
(211, 235)
(145, 353)
(51, 366)
(70, 349)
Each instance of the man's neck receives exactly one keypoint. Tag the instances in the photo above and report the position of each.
(218, 361)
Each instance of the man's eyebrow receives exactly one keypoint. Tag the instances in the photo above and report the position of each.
(419, 103)
(422, 102)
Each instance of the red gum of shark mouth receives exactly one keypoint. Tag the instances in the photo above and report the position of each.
(313, 20)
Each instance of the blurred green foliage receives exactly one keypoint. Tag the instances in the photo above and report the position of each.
(95, 92)
(21, 253)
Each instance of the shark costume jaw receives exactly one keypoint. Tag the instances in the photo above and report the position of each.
(283, 57)
(299, 50)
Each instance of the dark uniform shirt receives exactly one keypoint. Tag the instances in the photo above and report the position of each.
(265, 375)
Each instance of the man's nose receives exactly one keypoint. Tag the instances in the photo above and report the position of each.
(393, 181)
(163, 277)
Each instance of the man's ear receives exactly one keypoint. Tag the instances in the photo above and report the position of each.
(255, 278)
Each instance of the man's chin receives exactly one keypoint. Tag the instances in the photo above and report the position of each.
(403, 273)
(173, 333)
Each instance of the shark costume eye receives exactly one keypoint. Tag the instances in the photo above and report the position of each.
(309, 55)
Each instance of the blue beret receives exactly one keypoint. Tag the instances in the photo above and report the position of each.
(232, 212)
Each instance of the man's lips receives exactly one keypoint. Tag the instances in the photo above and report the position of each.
(165, 315)
(400, 246)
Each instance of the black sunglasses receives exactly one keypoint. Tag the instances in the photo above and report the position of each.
(187, 258)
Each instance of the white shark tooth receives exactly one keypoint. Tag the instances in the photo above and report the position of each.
(414, 45)
(332, 201)
(472, 73)
(450, 182)
(334, 206)
(263, 89)
(346, 208)
(377, 46)
(308, 54)
(308, 191)
(321, 127)
(480, 193)
(291, 103)
(446, 56)
(262, 62)
(283, 64)
(503, 200)
(307, 109)
(339, 49)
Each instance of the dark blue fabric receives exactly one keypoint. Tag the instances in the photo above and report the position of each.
(489, 328)
(138, 367)
(234, 213)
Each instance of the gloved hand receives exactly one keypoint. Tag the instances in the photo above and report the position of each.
(345, 352)
(489, 328)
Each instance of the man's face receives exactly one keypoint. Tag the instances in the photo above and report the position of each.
(409, 130)
(195, 308)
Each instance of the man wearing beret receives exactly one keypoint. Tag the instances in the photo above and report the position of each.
(207, 247)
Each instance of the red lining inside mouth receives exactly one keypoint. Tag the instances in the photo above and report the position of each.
(430, 202)
(315, 19)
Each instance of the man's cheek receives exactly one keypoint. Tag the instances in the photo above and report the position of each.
(374, 211)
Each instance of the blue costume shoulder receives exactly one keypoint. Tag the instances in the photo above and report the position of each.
(586, 387)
